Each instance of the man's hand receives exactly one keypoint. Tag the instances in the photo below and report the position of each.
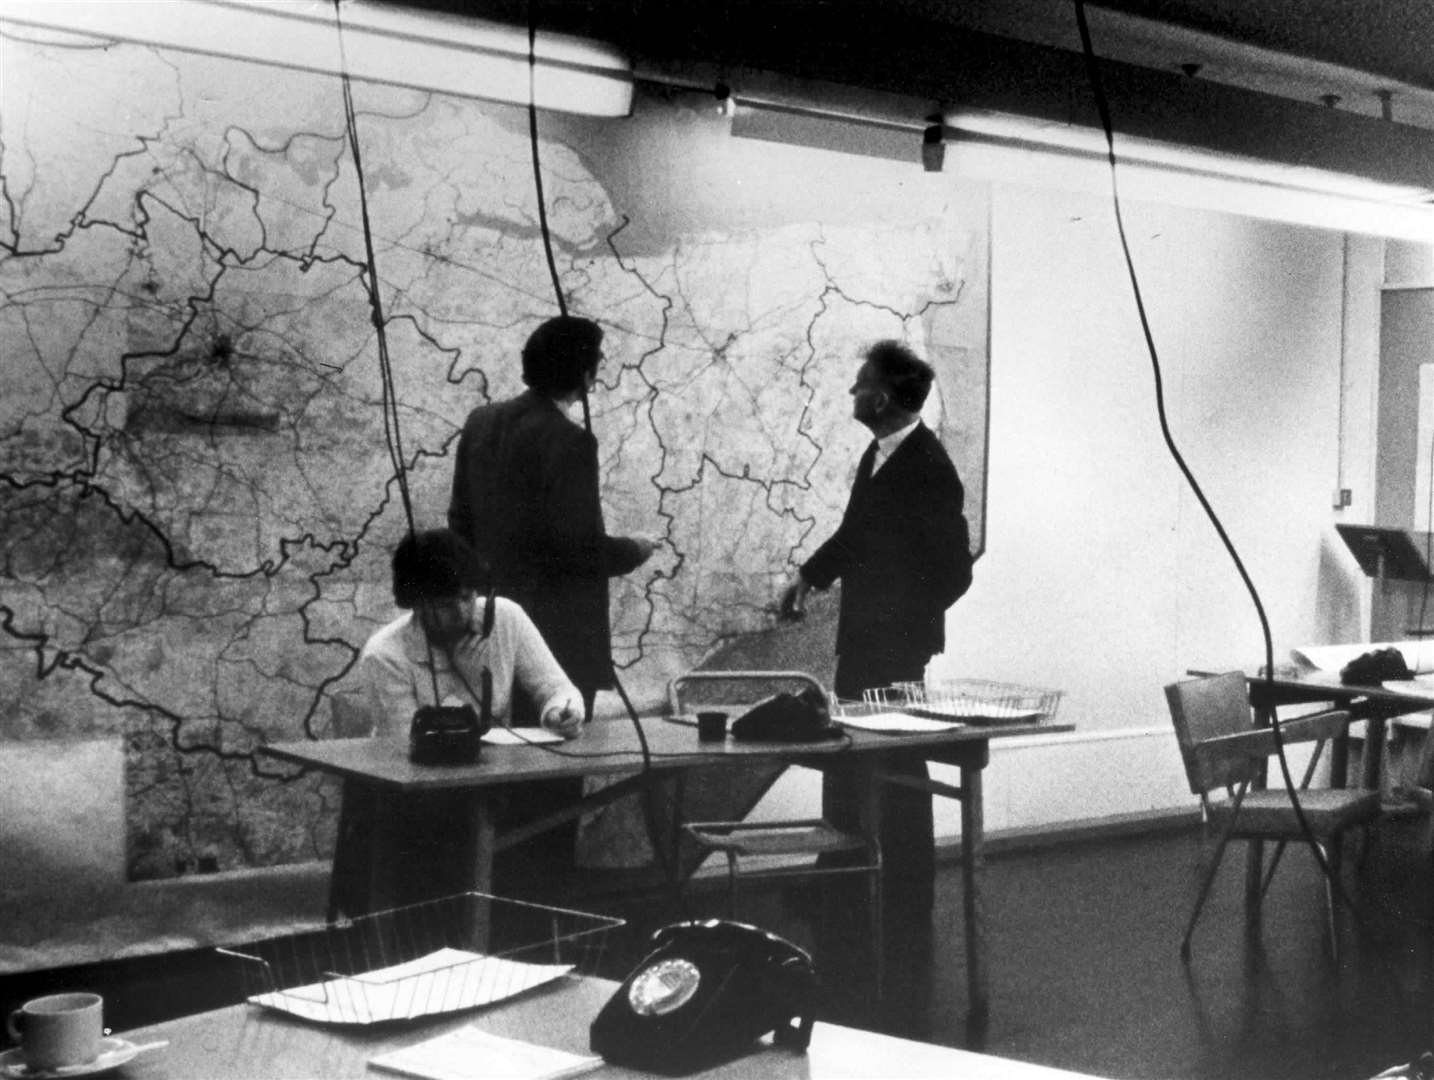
(794, 601)
(565, 719)
(647, 545)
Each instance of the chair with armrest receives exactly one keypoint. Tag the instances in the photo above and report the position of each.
(769, 849)
(1225, 755)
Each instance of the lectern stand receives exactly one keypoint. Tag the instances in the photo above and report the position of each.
(1390, 555)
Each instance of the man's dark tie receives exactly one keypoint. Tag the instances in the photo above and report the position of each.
(868, 460)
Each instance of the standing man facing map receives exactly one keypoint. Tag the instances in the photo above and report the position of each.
(525, 496)
(902, 553)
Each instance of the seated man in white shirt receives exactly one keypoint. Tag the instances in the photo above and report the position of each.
(437, 653)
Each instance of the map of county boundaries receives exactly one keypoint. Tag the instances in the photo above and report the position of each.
(200, 492)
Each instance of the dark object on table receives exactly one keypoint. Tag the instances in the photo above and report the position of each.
(786, 717)
(711, 726)
(1375, 666)
(445, 735)
(705, 993)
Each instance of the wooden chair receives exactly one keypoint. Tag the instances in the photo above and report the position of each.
(1225, 753)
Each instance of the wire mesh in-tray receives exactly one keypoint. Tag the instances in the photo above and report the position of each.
(458, 952)
(969, 701)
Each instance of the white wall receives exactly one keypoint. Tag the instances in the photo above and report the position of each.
(1102, 576)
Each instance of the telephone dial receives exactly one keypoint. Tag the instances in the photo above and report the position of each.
(706, 992)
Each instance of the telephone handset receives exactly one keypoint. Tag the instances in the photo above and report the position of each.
(706, 992)
(453, 734)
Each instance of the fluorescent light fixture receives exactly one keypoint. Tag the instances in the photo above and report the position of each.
(1051, 135)
(1025, 150)
(445, 54)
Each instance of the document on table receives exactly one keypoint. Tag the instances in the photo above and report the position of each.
(471, 1053)
(1420, 684)
(439, 982)
(895, 723)
(1418, 654)
(520, 736)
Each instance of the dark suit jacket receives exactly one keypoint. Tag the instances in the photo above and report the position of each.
(525, 495)
(902, 552)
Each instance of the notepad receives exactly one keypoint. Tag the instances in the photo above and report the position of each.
(523, 736)
(470, 1053)
(894, 723)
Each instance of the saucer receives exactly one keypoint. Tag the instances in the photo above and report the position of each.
(113, 1054)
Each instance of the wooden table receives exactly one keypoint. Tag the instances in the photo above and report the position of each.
(377, 776)
(244, 1042)
(1373, 704)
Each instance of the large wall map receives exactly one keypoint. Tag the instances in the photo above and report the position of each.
(197, 501)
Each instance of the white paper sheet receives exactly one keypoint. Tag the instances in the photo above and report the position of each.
(1418, 654)
(522, 736)
(1420, 684)
(894, 723)
(473, 1054)
(440, 982)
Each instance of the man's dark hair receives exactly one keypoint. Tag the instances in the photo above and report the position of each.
(906, 376)
(560, 354)
(433, 565)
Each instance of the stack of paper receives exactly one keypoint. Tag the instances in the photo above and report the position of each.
(894, 723)
(471, 1053)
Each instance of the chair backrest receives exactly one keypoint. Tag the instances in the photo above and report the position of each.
(1204, 709)
(734, 688)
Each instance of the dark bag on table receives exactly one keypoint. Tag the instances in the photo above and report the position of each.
(787, 717)
(1375, 666)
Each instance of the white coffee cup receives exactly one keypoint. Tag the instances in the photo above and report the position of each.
(58, 1030)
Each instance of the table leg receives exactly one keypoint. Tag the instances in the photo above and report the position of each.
(1254, 874)
(1371, 771)
(972, 858)
(364, 853)
(1255, 849)
(478, 871)
(869, 817)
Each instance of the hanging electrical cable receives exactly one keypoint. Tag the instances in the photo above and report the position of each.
(659, 849)
(1103, 109)
(538, 188)
(392, 433)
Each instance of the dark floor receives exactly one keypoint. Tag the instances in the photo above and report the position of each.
(1083, 950)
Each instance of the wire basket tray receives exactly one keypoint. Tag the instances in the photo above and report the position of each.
(969, 701)
(459, 952)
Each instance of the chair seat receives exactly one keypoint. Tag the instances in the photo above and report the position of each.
(774, 837)
(1270, 813)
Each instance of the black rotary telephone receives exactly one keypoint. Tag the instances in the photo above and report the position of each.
(705, 993)
(446, 735)
(453, 734)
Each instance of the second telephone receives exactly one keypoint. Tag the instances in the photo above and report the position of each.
(706, 992)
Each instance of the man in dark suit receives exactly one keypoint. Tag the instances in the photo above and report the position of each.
(526, 498)
(902, 553)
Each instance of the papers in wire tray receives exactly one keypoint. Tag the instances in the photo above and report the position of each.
(975, 711)
(440, 982)
(898, 723)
